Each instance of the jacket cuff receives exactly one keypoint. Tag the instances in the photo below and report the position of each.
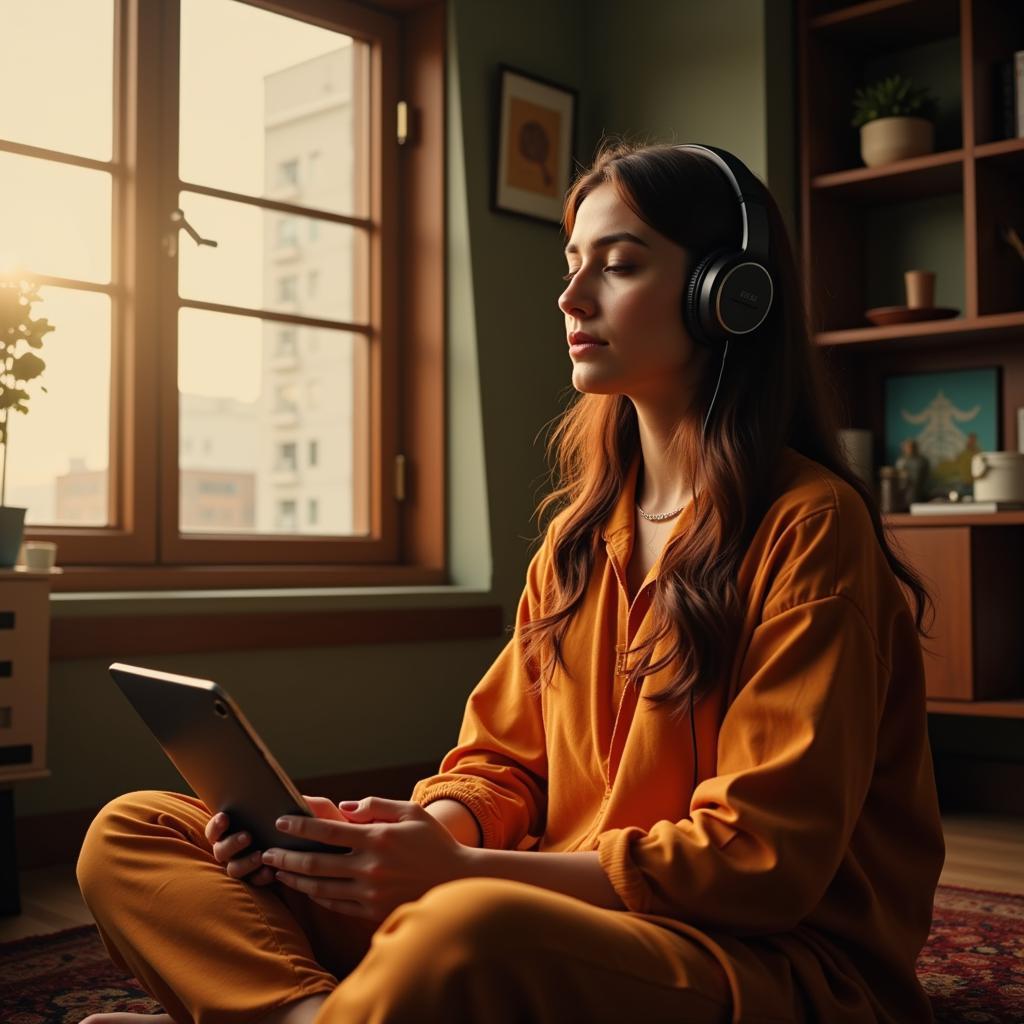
(472, 798)
(614, 856)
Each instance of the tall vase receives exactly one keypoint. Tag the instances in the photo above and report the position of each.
(12, 527)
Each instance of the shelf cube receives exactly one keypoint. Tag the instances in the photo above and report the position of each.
(974, 576)
(24, 671)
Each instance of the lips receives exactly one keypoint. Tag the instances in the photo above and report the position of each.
(582, 338)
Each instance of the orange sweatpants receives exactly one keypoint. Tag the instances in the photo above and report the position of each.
(216, 950)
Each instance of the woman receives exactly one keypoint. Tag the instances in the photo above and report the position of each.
(696, 785)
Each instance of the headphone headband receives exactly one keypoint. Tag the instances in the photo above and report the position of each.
(729, 291)
(748, 192)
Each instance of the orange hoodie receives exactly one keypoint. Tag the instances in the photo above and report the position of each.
(807, 856)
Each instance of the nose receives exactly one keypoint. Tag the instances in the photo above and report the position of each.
(574, 301)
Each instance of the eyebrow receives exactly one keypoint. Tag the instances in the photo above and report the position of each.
(619, 236)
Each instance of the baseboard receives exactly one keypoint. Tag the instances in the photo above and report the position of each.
(43, 839)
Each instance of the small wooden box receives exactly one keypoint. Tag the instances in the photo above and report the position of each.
(24, 673)
(974, 575)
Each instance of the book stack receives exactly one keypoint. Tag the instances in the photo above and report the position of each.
(1009, 97)
(963, 508)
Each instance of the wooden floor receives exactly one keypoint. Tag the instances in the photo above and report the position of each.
(982, 852)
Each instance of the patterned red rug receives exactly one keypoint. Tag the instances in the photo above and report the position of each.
(972, 967)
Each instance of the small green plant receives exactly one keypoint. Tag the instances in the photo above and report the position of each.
(19, 334)
(895, 96)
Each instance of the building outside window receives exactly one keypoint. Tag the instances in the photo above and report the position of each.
(287, 516)
(288, 173)
(287, 288)
(286, 456)
(287, 232)
(286, 342)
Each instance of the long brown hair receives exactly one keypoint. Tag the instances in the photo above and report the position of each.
(773, 393)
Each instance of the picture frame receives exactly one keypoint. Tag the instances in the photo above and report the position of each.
(951, 415)
(534, 141)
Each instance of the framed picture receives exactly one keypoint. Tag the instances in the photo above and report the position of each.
(536, 122)
(950, 415)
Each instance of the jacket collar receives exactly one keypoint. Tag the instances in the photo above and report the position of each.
(622, 513)
(620, 526)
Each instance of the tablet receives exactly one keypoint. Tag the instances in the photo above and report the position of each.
(218, 753)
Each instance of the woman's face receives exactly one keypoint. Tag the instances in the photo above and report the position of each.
(624, 292)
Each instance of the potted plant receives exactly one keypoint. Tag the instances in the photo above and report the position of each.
(895, 119)
(19, 335)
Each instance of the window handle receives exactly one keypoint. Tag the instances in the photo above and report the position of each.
(180, 221)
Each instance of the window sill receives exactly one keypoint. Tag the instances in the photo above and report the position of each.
(97, 578)
(128, 624)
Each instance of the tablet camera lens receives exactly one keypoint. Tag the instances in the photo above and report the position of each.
(218, 706)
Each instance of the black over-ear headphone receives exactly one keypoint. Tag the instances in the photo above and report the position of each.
(730, 291)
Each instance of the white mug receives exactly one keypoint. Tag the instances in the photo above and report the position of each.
(998, 476)
(40, 555)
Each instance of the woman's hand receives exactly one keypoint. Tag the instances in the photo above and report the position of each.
(235, 853)
(399, 852)
(250, 866)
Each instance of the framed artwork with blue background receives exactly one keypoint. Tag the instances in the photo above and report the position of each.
(950, 415)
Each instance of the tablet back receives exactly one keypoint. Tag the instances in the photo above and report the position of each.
(218, 753)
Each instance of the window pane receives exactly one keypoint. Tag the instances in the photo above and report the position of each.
(59, 451)
(269, 440)
(60, 53)
(294, 95)
(56, 218)
(264, 260)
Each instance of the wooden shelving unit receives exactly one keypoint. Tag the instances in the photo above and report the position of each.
(959, 196)
(979, 708)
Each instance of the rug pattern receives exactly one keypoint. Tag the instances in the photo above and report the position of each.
(972, 968)
(973, 965)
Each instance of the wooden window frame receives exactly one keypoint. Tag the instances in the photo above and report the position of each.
(406, 362)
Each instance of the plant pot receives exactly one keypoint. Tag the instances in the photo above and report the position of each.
(12, 526)
(895, 138)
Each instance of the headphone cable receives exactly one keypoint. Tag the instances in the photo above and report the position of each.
(721, 370)
(693, 737)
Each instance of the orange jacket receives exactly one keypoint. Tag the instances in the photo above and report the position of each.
(807, 857)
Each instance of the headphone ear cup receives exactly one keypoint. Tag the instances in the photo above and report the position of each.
(728, 294)
(692, 312)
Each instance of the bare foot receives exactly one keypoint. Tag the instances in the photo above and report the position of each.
(128, 1018)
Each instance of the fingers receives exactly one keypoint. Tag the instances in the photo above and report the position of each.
(316, 865)
(231, 846)
(216, 826)
(323, 808)
(262, 877)
(339, 833)
(378, 808)
(339, 890)
(240, 867)
(227, 850)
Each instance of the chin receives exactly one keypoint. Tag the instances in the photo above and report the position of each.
(586, 381)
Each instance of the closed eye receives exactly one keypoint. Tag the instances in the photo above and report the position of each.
(611, 268)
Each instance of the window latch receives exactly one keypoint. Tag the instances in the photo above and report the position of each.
(402, 122)
(179, 220)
